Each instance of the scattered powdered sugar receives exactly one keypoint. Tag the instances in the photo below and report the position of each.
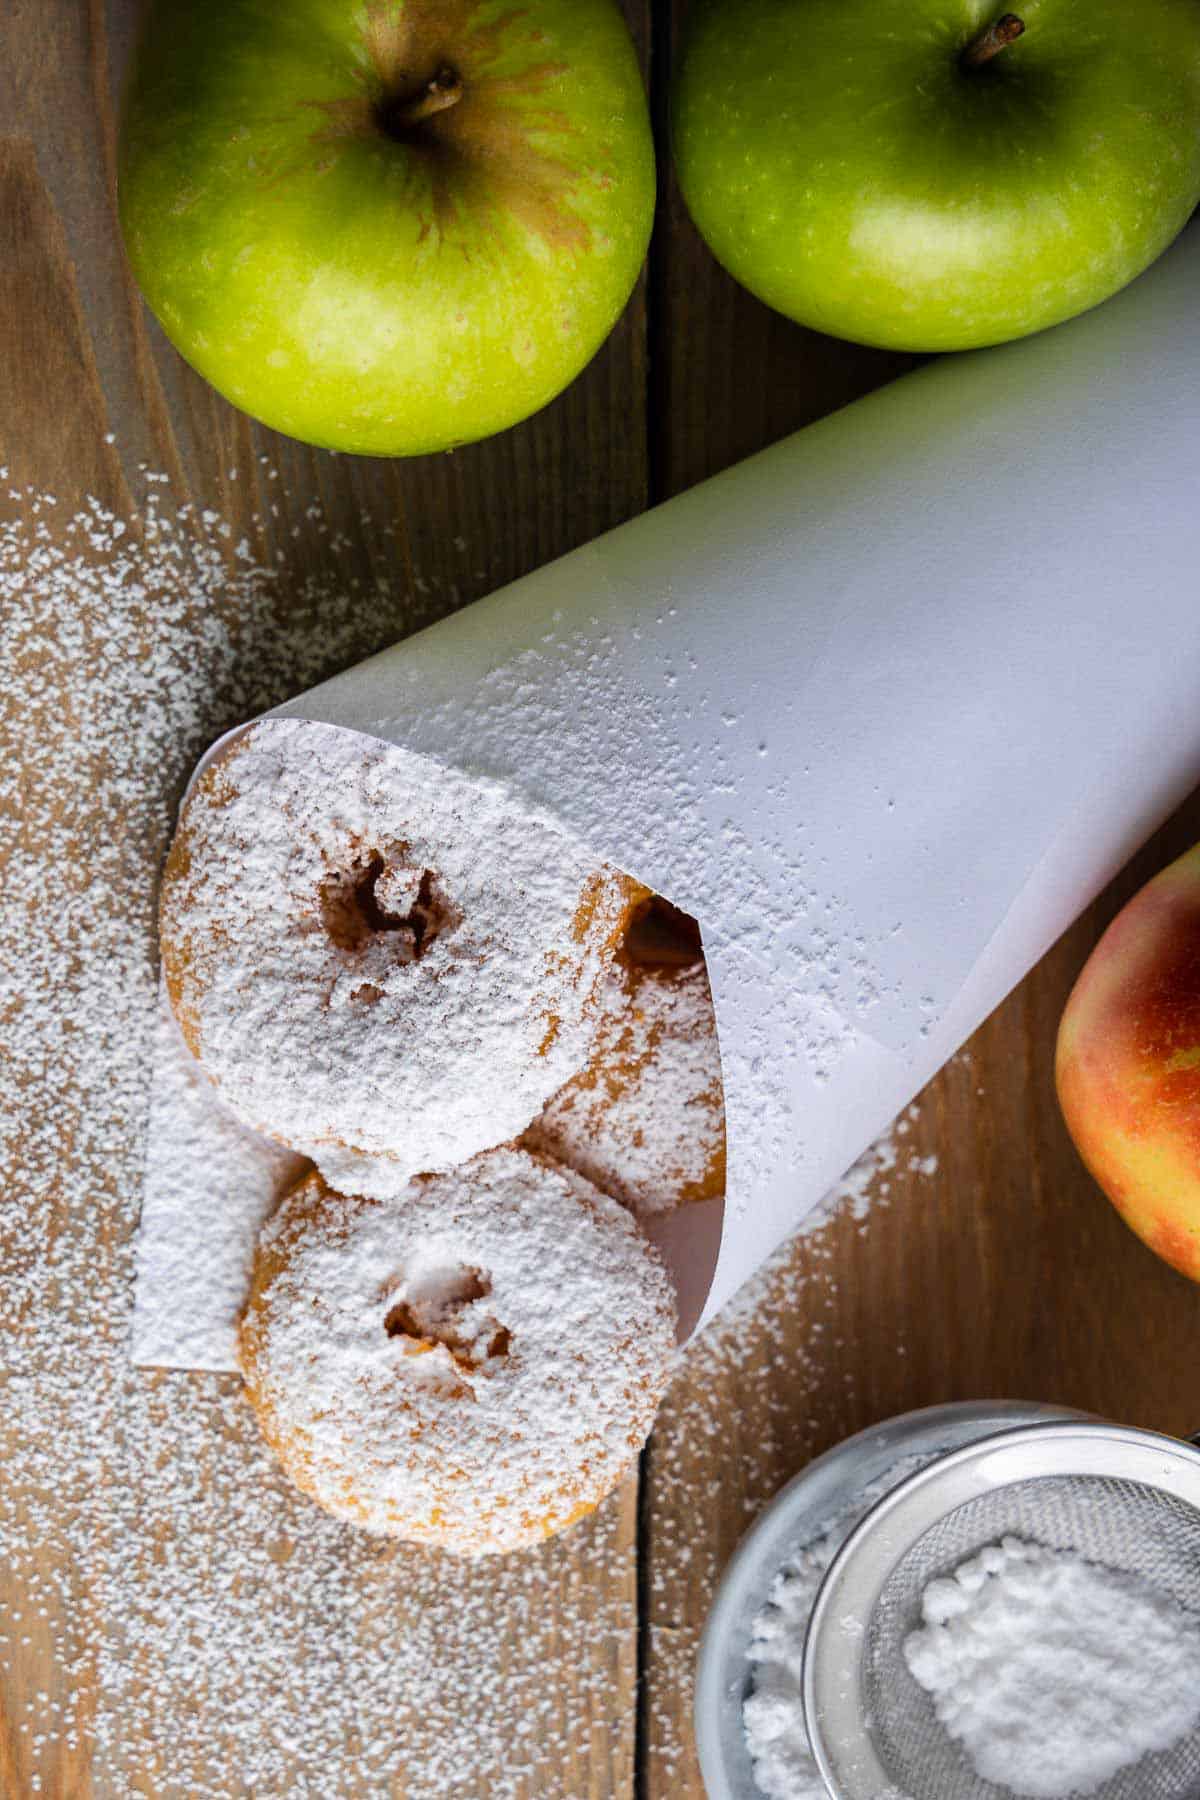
(1053, 1672)
(372, 954)
(773, 1712)
(174, 1617)
(645, 1120)
(868, 1182)
(473, 1363)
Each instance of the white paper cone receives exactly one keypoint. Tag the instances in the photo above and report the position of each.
(883, 707)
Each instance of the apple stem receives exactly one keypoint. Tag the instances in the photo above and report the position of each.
(445, 90)
(1006, 30)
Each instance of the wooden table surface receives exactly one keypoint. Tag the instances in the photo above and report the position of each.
(1002, 1273)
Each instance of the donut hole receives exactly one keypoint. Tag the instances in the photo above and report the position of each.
(660, 936)
(382, 895)
(442, 1306)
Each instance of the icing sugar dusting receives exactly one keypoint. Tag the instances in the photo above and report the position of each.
(334, 1020)
(173, 1616)
(645, 1120)
(867, 1183)
(470, 1364)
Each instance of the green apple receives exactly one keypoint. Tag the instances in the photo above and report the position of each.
(386, 226)
(937, 174)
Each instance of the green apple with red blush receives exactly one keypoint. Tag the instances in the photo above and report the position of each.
(938, 174)
(386, 226)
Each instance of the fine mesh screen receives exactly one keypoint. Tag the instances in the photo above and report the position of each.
(1123, 1524)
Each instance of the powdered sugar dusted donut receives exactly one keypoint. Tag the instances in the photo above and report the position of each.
(473, 1363)
(645, 1118)
(383, 962)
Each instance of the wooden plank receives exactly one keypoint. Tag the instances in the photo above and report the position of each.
(174, 1621)
(1005, 1273)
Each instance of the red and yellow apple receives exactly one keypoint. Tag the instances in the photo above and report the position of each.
(1128, 1063)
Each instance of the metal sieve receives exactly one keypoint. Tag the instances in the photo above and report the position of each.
(803, 1511)
(1128, 1499)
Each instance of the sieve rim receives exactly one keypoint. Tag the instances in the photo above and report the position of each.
(842, 1746)
(802, 1509)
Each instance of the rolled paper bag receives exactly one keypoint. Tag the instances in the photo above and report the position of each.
(884, 708)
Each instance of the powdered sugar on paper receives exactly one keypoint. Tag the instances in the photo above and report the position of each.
(211, 1183)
